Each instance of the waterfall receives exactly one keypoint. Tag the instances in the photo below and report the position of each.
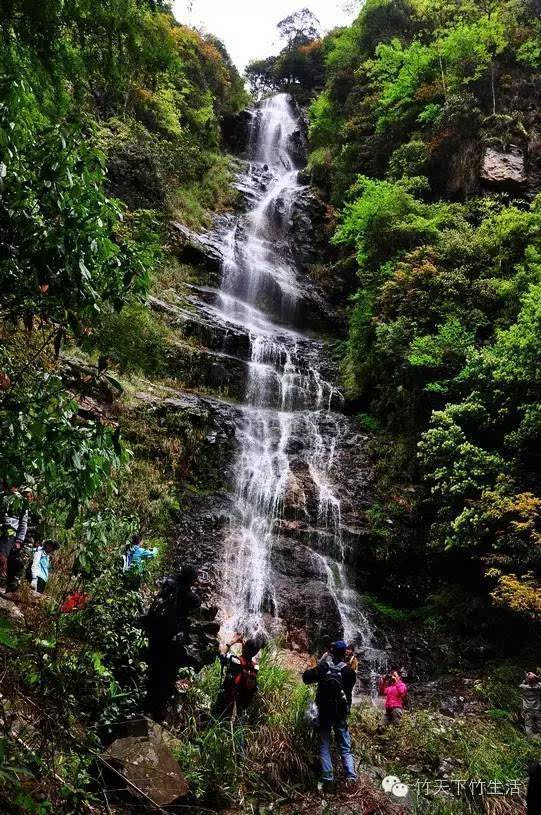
(288, 405)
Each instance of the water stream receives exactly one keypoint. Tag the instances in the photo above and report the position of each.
(288, 404)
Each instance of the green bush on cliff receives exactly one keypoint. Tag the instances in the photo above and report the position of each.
(104, 109)
(135, 339)
(443, 335)
(444, 338)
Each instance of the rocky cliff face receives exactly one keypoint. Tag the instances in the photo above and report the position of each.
(266, 371)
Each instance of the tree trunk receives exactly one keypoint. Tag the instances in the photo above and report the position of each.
(493, 86)
(443, 82)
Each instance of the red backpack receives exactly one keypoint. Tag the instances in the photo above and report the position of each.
(246, 681)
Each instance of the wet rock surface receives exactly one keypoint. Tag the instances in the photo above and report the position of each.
(309, 228)
(300, 596)
(200, 368)
(236, 131)
(298, 147)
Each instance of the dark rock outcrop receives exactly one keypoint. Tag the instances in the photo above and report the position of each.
(300, 596)
(204, 369)
(133, 175)
(298, 148)
(309, 228)
(194, 313)
(201, 429)
(236, 131)
(203, 250)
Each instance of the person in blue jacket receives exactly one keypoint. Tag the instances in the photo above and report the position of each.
(38, 571)
(136, 554)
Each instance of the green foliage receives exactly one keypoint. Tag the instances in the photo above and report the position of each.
(135, 339)
(500, 688)
(45, 448)
(458, 469)
(530, 51)
(368, 422)
(192, 203)
(444, 339)
(299, 67)
(110, 625)
(210, 761)
(395, 615)
(409, 159)
(393, 77)
(71, 678)
(276, 739)
(111, 52)
(483, 749)
(63, 260)
(452, 342)
(73, 256)
(383, 220)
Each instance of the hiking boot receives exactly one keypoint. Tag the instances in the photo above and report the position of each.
(351, 782)
(325, 785)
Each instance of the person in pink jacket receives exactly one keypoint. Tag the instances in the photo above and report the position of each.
(395, 692)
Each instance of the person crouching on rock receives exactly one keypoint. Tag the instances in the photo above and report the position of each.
(394, 690)
(335, 681)
(239, 678)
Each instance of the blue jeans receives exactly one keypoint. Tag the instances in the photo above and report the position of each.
(343, 740)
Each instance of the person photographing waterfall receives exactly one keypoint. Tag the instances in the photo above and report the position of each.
(335, 680)
(394, 690)
(239, 677)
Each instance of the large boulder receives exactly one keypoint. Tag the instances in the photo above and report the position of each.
(10, 609)
(145, 760)
(309, 231)
(504, 171)
(196, 315)
(201, 368)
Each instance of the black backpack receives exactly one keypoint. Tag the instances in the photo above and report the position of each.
(160, 621)
(332, 701)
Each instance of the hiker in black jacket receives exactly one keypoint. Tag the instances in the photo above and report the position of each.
(167, 624)
(335, 682)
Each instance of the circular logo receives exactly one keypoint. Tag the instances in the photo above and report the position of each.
(389, 781)
(400, 790)
(395, 786)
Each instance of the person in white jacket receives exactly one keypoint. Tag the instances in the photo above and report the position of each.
(39, 568)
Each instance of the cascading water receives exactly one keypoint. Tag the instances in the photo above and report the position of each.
(288, 402)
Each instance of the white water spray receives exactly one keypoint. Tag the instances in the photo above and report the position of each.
(288, 401)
